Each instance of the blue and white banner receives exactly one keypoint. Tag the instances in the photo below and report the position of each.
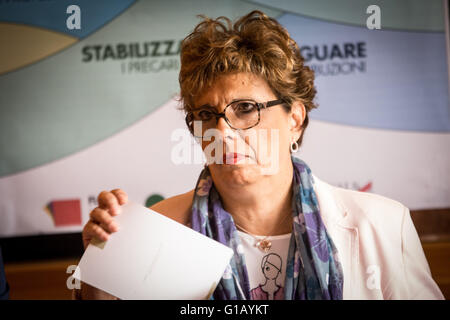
(92, 109)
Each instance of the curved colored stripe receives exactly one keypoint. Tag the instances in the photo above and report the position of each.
(412, 15)
(53, 15)
(64, 104)
(27, 45)
(375, 78)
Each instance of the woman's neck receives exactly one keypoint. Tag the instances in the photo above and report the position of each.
(264, 207)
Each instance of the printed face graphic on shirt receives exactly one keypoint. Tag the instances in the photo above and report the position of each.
(269, 289)
(271, 266)
(270, 271)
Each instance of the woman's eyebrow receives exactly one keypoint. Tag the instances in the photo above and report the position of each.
(205, 106)
(208, 106)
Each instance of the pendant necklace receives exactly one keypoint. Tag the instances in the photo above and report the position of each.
(264, 243)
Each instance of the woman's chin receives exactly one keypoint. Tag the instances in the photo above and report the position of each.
(236, 174)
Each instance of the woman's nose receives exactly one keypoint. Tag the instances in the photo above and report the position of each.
(226, 132)
(223, 126)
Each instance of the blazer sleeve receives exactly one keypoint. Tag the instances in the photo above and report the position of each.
(419, 281)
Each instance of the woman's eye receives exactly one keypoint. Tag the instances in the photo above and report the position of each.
(245, 107)
(204, 115)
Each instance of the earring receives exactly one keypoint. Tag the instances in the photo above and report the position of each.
(294, 147)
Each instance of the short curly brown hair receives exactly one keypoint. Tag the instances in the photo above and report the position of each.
(255, 44)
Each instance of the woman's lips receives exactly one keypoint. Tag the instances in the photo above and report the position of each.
(232, 158)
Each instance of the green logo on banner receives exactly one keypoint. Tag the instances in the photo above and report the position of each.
(154, 198)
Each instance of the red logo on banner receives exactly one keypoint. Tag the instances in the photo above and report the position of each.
(356, 186)
(366, 188)
(65, 212)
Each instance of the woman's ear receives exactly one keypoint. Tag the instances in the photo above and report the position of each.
(296, 118)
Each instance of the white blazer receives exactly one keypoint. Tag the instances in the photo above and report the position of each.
(378, 245)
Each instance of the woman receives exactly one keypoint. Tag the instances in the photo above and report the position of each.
(247, 86)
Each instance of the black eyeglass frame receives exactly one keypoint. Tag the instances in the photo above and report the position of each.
(218, 115)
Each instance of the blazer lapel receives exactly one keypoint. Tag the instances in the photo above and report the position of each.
(343, 232)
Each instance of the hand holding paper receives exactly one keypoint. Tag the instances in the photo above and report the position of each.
(154, 257)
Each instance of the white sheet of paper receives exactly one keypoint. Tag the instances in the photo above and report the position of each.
(154, 257)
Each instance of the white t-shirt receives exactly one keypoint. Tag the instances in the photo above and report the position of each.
(266, 271)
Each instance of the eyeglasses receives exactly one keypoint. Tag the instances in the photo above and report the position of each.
(239, 115)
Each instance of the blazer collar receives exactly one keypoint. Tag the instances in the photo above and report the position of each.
(332, 207)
